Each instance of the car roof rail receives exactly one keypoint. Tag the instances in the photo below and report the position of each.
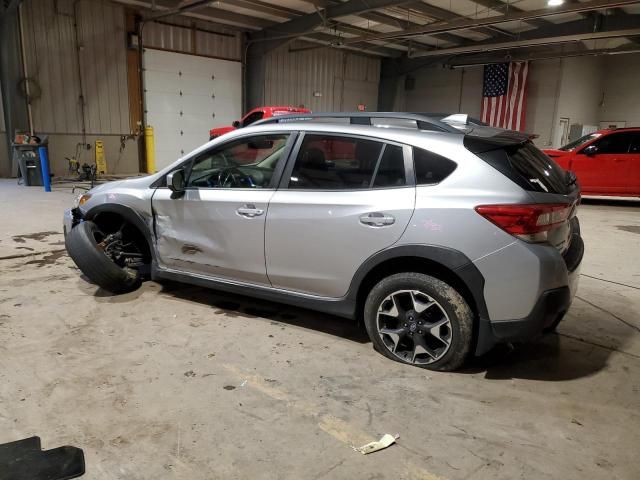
(423, 122)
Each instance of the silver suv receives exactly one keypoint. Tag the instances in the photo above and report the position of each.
(443, 236)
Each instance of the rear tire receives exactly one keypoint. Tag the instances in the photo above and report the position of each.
(419, 320)
(95, 264)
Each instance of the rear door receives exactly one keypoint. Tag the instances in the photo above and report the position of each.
(342, 199)
(608, 171)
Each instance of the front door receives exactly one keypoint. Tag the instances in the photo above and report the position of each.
(344, 199)
(216, 228)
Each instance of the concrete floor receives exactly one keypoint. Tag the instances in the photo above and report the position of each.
(173, 381)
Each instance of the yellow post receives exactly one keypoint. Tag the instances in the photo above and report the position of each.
(149, 147)
(101, 162)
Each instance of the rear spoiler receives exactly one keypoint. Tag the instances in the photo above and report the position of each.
(485, 139)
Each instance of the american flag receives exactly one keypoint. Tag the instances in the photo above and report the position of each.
(504, 95)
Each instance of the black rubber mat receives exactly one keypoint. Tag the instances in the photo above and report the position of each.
(25, 460)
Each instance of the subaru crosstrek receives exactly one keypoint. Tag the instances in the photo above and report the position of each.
(443, 238)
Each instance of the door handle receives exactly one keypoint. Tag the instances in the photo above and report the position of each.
(377, 219)
(249, 211)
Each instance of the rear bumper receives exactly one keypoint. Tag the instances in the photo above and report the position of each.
(550, 307)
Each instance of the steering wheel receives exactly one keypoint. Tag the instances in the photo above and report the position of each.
(234, 177)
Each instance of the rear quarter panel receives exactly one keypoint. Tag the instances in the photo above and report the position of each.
(445, 216)
(444, 213)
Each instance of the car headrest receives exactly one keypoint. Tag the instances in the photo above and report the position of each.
(314, 159)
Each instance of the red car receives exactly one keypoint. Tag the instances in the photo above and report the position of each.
(606, 162)
(254, 115)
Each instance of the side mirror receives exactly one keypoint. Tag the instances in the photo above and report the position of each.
(236, 124)
(175, 181)
(590, 151)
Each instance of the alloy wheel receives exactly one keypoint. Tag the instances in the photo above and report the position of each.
(414, 327)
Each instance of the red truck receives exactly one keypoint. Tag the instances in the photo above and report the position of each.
(254, 115)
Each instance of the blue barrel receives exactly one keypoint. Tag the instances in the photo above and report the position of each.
(44, 167)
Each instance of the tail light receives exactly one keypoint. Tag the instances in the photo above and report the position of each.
(528, 222)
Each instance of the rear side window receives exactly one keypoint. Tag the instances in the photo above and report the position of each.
(430, 167)
(331, 162)
(527, 166)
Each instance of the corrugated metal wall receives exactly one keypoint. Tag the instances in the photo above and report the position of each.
(178, 34)
(50, 48)
(2, 127)
(323, 79)
(5, 164)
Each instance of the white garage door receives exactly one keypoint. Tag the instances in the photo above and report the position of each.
(186, 96)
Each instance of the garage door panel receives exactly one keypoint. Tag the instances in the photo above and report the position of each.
(167, 148)
(197, 84)
(198, 103)
(159, 60)
(163, 103)
(191, 141)
(165, 122)
(180, 102)
(157, 81)
(167, 143)
(199, 124)
(193, 66)
(221, 107)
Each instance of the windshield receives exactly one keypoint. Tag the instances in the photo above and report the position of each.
(581, 141)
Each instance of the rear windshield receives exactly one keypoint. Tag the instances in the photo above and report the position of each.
(527, 166)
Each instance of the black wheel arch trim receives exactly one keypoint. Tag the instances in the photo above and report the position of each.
(456, 262)
(130, 215)
(453, 260)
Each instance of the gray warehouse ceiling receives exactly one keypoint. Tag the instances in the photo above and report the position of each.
(451, 31)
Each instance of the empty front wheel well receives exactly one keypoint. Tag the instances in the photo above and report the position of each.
(111, 222)
(412, 264)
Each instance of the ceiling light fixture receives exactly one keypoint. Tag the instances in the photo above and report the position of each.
(555, 3)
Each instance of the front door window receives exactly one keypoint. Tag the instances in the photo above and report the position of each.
(247, 162)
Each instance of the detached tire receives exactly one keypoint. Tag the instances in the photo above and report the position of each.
(93, 262)
(419, 320)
